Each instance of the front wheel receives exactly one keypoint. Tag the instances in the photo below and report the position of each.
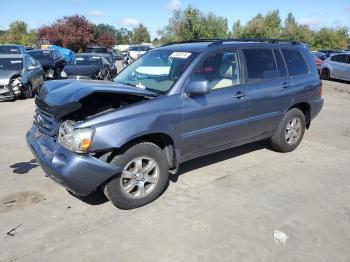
(144, 176)
(290, 131)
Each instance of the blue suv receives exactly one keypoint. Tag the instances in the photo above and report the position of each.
(175, 103)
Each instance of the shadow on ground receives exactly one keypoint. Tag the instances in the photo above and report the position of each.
(94, 199)
(24, 167)
(218, 157)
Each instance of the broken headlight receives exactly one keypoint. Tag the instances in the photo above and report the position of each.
(75, 139)
(16, 85)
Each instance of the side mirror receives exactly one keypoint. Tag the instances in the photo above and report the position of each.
(30, 68)
(198, 87)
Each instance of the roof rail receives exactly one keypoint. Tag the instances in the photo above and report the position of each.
(190, 41)
(218, 41)
(259, 40)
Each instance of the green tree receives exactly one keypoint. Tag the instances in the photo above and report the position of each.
(237, 29)
(331, 38)
(293, 31)
(104, 28)
(141, 34)
(268, 26)
(123, 36)
(191, 23)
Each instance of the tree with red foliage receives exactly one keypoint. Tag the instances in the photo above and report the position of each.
(106, 39)
(73, 32)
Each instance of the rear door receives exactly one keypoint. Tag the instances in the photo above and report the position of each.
(339, 65)
(347, 75)
(218, 118)
(269, 89)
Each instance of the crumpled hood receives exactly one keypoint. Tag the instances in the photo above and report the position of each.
(79, 70)
(61, 97)
(5, 75)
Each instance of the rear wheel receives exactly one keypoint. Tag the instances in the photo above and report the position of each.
(325, 74)
(290, 131)
(144, 176)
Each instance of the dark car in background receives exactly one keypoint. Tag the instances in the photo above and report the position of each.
(175, 103)
(51, 61)
(97, 49)
(88, 66)
(116, 56)
(12, 49)
(112, 67)
(20, 76)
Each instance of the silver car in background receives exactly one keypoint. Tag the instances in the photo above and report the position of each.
(337, 66)
(20, 76)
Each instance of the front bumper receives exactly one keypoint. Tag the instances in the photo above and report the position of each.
(79, 173)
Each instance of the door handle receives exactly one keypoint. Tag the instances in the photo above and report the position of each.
(240, 95)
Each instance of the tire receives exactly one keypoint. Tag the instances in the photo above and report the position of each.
(325, 74)
(28, 92)
(290, 131)
(131, 189)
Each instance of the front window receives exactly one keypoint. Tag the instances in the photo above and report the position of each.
(11, 63)
(87, 60)
(157, 70)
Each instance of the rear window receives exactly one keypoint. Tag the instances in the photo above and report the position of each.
(260, 64)
(295, 62)
(339, 58)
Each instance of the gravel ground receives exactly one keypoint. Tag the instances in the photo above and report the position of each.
(237, 205)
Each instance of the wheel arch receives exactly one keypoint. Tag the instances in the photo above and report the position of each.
(306, 109)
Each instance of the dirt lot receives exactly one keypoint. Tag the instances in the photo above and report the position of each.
(224, 207)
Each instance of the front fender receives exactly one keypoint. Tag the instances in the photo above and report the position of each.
(114, 129)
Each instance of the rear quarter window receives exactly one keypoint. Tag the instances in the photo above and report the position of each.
(295, 62)
(260, 63)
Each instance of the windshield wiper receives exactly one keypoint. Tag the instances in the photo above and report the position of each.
(133, 85)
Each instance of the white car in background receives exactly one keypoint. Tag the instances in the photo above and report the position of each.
(337, 67)
(135, 51)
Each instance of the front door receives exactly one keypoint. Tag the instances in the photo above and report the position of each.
(218, 118)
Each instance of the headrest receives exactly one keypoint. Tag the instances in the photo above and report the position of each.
(227, 69)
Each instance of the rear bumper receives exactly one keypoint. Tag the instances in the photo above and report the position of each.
(316, 107)
(79, 173)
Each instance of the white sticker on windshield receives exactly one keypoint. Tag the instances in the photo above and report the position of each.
(182, 55)
(16, 61)
(80, 58)
(13, 50)
(95, 57)
(46, 52)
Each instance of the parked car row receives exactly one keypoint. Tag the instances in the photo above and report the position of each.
(20, 76)
(22, 71)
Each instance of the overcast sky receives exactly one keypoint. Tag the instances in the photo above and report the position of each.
(155, 13)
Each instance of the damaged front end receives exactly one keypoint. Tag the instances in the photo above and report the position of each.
(12, 90)
(61, 148)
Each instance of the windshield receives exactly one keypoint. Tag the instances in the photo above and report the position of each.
(87, 60)
(9, 50)
(157, 70)
(43, 57)
(11, 64)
